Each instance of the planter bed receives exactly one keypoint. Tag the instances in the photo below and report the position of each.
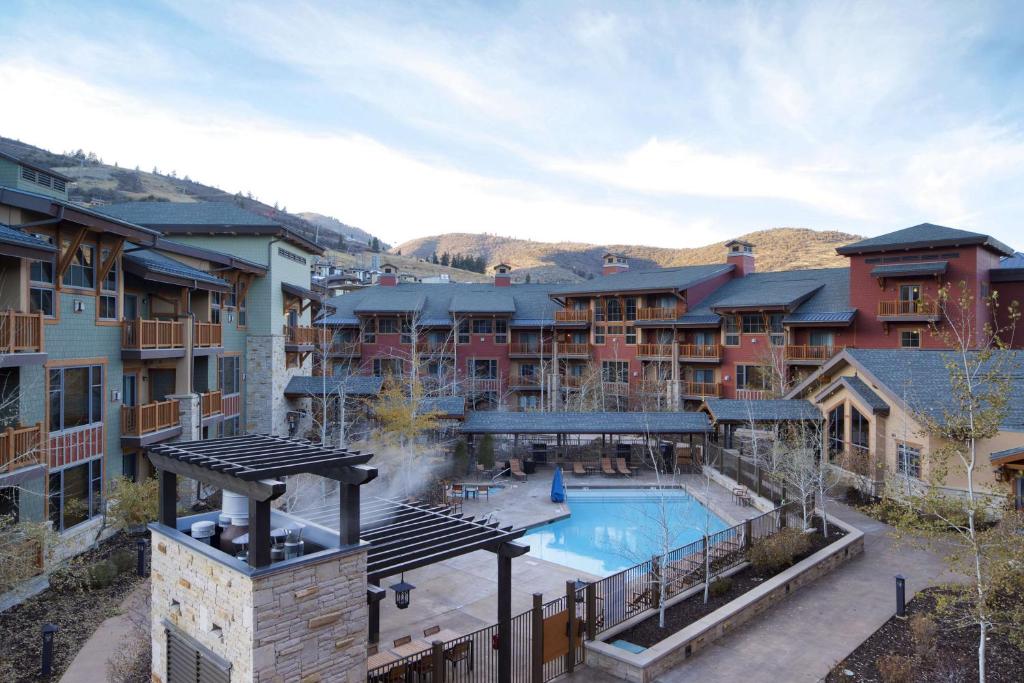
(682, 614)
(76, 611)
(956, 649)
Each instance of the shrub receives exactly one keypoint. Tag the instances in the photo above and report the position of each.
(71, 577)
(779, 550)
(133, 504)
(124, 560)
(460, 458)
(102, 574)
(895, 669)
(720, 587)
(923, 630)
(486, 454)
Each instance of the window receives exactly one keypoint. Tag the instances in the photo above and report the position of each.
(778, 332)
(463, 331)
(704, 375)
(387, 326)
(910, 339)
(9, 503)
(369, 332)
(910, 292)
(108, 291)
(598, 310)
(752, 377)
(76, 494)
(41, 281)
(859, 430)
(528, 370)
(821, 338)
(615, 371)
(836, 437)
(82, 271)
(215, 307)
(732, 330)
(599, 331)
(76, 397)
(500, 331)
(482, 326)
(528, 401)
(387, 367)
(908, 460)
(230, 426)
(614, 310)
(230, 375)
(631, 308)
(753, 323)
(406, 332)
(130, 466)
(240, 303)
(631, 335)
(703, 339)
(486, 368)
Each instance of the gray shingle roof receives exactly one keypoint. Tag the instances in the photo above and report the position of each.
(919, 268)
(379, 300)
(922, 236)
(446, 406)
(494, 422)
(824, 318)
(151, 261)
(772, 410)
(9, 235)
(813, 295)
(859, 388)
(679, 278)
(483, 302)
(1009, 454)
(185, 213)
(1011, 269)
(352, 385)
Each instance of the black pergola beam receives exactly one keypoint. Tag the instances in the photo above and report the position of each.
(260, 490)
(491, 544)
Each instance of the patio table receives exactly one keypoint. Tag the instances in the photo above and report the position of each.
(380, 659)
(413, 647)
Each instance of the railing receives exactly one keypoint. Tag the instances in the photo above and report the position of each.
(654, 387)
(702, 351)
(302, 334)
(529, 349)
(346, 348)
(148, 418)
(573, 315)
(702, 389)
(658, 313)
(574, 349)
(753, 394)
(207, 335)
(809, 352)
(21, 332)
(570, 381)
(211, 403)
(483, 383)
(22, 447)
(655, 350)
(747, 471)
(525, 380)
(901, 307)
(433, 347)
(153, 334)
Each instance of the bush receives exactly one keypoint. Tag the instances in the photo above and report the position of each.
(486, 454)
(71, 577)
(779, 550)
(102, 574)
(133, 504)
(124, 560)
(895, 669)
(720, 587)
(923, 630)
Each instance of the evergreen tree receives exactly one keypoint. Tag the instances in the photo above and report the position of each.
(445, 259)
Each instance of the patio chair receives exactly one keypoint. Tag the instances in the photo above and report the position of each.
(516, 468)
(371, 650)
(396, 674)
(484, 490)
(404, 640)
(622, 467)
(431, 630)
(578, 469)
(424, 666)
(606, 467)
(457, 490)
(460, 652)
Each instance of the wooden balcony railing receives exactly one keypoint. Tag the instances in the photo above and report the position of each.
(148, 418)
(811, 352)
(570, 381)
(211, 403)
(434, 347)
(21, 332)
(343, 348)
(22, 447)
(529, 349)
(574, 349)
(702, 389)
(753, 394)
(525, 380)
(573, 315)
(701, 351)
(207, 335)
(302, 334)
(654, 350)
(921, 307)
(659, 313)
(654, 387)
(477, 384)
(153, 334)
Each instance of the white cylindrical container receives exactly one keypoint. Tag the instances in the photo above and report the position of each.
(234, 504)
(203, 531)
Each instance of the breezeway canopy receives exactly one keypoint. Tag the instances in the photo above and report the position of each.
(493, 422)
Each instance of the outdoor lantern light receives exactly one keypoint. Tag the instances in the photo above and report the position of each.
(402, 590)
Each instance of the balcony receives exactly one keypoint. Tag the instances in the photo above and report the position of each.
(477, 385)
(346, 349)
(524, 382)
(658, 313)
(810, 355)
(753, 394)
(653, 387)
(654, 350)
(211, 404)
(149, 423)
(909, 311)
(22, 447)
(700, 390)
(21, 339)
(570, 381)
(574, 350)
(301, 338)
(207, 338)
(530, 349)
(572, 316)
(145, 339)
(434, 347)
(700, 353)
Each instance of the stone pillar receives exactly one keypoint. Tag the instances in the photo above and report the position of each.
(190, 413)
(266, 377)
(306, 622)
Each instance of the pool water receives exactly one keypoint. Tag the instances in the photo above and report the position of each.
(612, 529)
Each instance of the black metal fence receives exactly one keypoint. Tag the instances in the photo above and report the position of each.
(745, 471)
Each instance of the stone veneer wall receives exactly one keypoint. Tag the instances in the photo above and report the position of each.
(307, 623)
(266, 377)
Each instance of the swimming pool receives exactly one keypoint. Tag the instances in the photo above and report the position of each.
(612, 529)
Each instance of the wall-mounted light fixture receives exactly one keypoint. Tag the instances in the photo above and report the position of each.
(79, 306)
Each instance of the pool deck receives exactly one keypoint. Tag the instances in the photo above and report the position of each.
(462, 594)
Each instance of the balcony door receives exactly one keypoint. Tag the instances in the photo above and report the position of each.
(161, 384)
(821, 338)
(130, 390)
(910, 298)
(131, 307)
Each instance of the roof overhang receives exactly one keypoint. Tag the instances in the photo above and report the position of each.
(934, 268)
(300, 292)
(279, 231)
(20, 250)
(1006, 275)
(65, 212)
(966, 241)
(36, 167)
(142, 269)
(1010, 456)
(843, 383)
(218, 257)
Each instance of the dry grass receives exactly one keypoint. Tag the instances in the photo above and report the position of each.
(409, 265)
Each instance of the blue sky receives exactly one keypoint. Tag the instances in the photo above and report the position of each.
(673, 124)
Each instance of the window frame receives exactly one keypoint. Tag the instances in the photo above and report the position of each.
(94, 492)
(94, 396)
(916, 335)
(903, 462)
(78, 265)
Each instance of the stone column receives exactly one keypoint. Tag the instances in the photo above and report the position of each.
(190, 413)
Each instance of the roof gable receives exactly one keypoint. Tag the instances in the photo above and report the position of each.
(923, 236)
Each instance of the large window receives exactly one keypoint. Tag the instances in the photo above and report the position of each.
(836, 437)
(76, 397)
(599, 333)
(230, 375)
(822, 338)
(387, 326)
(41, 281)
(753, 323)
(483, 368)
(732, 330)
(615, 371)
(108, 291)
(778, 332)
(614, 307)
(631, 308)
(76, 494)
(908, 460)
(388, 367)
(82, 271)
(231, 426)
(752, 377)
(859, 430)
(501, 331)
(463, 332)
(406, 332)
(483, 326)
(215, 307)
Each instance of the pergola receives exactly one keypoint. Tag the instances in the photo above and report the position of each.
(729, 414)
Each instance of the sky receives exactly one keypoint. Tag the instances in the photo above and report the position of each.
(671, 124)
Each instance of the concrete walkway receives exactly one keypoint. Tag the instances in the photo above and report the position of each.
(803, 637)
(90, 664)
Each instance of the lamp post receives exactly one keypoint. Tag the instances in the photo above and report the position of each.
(46, 666)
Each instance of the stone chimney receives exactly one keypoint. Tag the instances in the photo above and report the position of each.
(741, 255)
(502, 275)
(388, 275)
(614, 263)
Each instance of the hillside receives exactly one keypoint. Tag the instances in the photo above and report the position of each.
(776, 249)
(98, 183)
(408, 265)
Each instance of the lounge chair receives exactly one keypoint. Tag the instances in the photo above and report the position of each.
(606, 467)
(579, 469)
(622, 467)
(516, 469)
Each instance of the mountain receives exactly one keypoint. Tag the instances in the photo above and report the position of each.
(776, 249)
(98, 183)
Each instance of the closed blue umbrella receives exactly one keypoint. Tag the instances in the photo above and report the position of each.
(557, 487)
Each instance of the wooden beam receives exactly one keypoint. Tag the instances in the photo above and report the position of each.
(115, 253)
(258, 490)
(65, 259)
